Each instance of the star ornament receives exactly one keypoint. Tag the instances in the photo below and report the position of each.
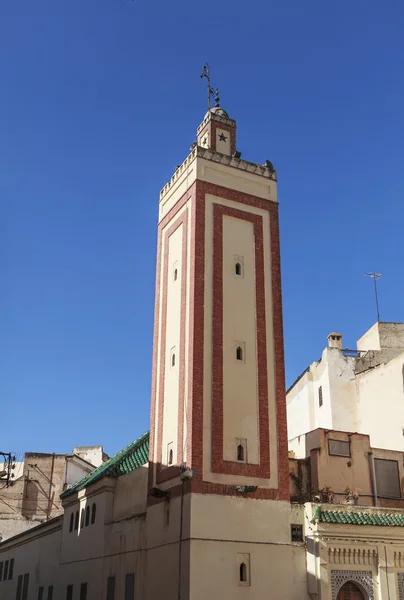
(222, 137)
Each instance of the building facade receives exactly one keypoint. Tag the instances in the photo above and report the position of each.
(354, 390)
(33, 494)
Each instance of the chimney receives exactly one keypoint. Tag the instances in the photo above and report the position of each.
(335, 340)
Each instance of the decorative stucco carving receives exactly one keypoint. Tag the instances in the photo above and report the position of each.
(363, 578)
(400, 577)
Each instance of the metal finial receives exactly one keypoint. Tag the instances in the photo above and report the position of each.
(217, 99)
(206, 75)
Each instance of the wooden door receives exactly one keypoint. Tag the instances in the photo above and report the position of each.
(350, 591)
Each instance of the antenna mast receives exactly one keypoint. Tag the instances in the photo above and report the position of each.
(375, 277)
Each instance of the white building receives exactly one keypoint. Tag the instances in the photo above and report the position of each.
(359, 391)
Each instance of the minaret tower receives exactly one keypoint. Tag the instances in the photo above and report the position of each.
(218, 392)
(218, 397)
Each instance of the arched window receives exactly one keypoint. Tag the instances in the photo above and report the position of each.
(87, 516)
(76, 520)
(170, 457)
(71, 522)
(240, 453)
(93, 511)
(239, 353)
(82, 518)
(243, 572)
(238, 268)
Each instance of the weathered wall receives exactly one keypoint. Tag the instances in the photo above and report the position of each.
(223, 527)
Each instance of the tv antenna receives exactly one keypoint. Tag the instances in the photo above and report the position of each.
(375, 277)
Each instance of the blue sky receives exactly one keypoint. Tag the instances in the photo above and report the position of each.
(100, 100)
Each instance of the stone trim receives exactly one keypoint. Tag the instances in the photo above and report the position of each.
(219, 465)
(363, 578)
(215, 117)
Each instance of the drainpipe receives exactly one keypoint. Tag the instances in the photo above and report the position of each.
(373, 477)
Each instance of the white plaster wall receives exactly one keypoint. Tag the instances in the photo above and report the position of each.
(240, 393)
(223, 526)
(10, 526)
(382, 335)
(92, 454)
(36, 553)
(277, 571)
(298, 410)
(381, 404)
(335, 373)
(87, 542)
(76, 471)
(341, 374)
(130, 497)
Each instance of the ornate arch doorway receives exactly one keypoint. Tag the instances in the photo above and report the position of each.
(350, 591)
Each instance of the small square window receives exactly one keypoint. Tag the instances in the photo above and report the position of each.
(339, 448)
(296, 532)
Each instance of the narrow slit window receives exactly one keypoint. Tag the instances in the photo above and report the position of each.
(5, 571)
(111, 588)
(40, 593)
(69, 592)
(19, 588)
(11, 569)
(82, 519)
(175, 274)
(93, 513)
(87, 516)
(71, 522)
(50, 592)
(238, 269)
(166, 514)
(76, 520)
(320, 396)
(240, 453)
(239, 353)
(243, 572)
(170, 457)
(173, 360)
(25, 586)
(83, 591)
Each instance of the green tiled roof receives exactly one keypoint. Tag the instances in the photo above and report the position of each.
(130, 458)
(344, 517)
